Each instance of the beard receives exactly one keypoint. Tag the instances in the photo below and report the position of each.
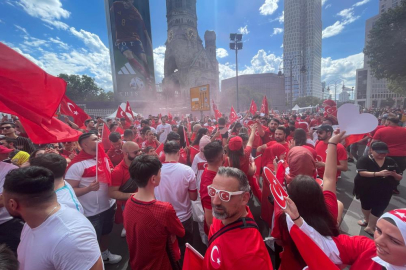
(279, 139)
(221, 216)
(130, 158)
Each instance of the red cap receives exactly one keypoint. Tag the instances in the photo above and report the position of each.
(235, 143)
(4, 150)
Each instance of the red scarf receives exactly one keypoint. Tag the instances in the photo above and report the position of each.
(80, 157)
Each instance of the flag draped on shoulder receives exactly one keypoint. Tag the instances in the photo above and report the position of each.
(27, 90)
(69, 108)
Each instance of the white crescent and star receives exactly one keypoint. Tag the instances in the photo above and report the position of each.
(211, 255)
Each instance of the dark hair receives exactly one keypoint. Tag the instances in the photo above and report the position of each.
(212, 151)
(173, 136)
(84, 136)
(128, 132)
(144, 130)
(200, 133)
(394, 120)
(145, 121)
(174, 126)
(32, 155)
(171, 147)
(112, 125)
(181, 134)
(142, 168)
(87, 121)
(235, 155)
(309, 199)
(8, 260)
(8, 123)
(108, 119)
(147, 149)
(300, 137)
(283, 129)
(35, 184)
(276, 120)
(243, 136)
(292, 123)
(236, 125)
(221, 121)
(10, 140)
(122, 119)
(51, 161)
(114, 137)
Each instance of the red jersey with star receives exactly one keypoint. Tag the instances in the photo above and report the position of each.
(321, 150)
(236, 249)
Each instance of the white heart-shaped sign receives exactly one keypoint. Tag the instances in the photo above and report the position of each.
(351, 121)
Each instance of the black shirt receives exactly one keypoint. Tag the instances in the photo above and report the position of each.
(24, 144)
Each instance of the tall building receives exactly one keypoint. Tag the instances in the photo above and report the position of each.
(187, 62)
(369, 90)
(302, 48)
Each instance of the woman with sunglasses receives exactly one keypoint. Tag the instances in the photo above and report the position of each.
(318, 206)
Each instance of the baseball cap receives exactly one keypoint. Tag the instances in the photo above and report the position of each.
(324, 127)
(380, 147)
(4, 150)
(235, 143)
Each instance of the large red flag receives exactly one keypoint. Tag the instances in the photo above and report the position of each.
(159, 149)
(193, 260)
(310, 252)
(103, 165)
(26, 90)
(354, 138)
(233, 115)
(121, 114)
(217, 113)
(105, 138)
(49, 131)
(129, 110)
(253, 107)
(69, 108)
(264, 106)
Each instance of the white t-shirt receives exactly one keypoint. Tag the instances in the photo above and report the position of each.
(176, 182)
(4, 169)
(67, 196)
(93, 202)
(166, 129)
(66, 240)
(198, 166)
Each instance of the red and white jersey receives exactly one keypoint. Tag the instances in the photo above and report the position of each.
(198, 166)
(93, 202)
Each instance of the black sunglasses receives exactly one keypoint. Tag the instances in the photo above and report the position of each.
(3, 128)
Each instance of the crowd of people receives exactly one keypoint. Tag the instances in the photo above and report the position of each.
(168, 173)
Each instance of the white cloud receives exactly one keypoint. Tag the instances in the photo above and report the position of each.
(91, 40)
(221, 53)
(269, 7)
(34, 42)
(360, 3)
(323, 2)
(328, 6)
(49, 11)
(333, 30)
(244, 30)
(277, 31)
(159, 61)
(347, 16)
(282, 45)
(21, 29)
(1, 21)
(61, 44)
(343, 68)
(281, 18)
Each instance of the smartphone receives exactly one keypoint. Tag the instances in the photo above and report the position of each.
(391, 168)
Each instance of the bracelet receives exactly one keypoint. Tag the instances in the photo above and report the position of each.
(296, 218)
(332, 143)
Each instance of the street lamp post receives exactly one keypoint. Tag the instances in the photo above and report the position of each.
(302, 70)
(335, 88)
(236, 44)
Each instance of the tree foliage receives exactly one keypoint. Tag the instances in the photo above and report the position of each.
(386, 48)
(307, 101)
(83, 88)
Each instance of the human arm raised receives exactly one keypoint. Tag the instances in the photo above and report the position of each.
(330, 171)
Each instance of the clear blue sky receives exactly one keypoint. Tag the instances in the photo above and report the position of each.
(70, 36)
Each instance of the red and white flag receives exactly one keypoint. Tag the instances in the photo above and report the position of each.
(121, 114)
(253, 107)
(69, 108)
(217, 113)
(105, 138)
(129, 110)
(233, 115)
(103, 165)
(264, 106)
(193, 260)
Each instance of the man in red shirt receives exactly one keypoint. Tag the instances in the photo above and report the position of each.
(234, 239)
(270, 131)
(394, 136)
(280, 137)
(324, 133)
(150, 224)
(115, 153)
(214, 154)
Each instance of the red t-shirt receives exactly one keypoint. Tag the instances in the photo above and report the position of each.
(394, 137)
(236, 249)
(139, 140)
(116, 156)
(120, 175)
(147, 143)
(321, 150)
(205, 181)
(269, 136)
(149, 225)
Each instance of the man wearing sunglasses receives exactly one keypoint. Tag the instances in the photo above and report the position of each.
(234, 239)
(23, 144)
(324, 133)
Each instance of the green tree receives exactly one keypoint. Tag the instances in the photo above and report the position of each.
(307, 101)
(386, 48)
(84, 88)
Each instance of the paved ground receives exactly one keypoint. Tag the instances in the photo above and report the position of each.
(352, 213)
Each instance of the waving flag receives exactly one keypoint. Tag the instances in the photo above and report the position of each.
(264, 106)
(69, 108)
(121, 114)
(105, 138)
(217, 113)
(129, 110)
(103, 165)
(193, 259)
(233, 115)
(253, 107)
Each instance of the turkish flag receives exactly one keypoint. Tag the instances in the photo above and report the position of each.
(217, 113)
(105, 138)
(69, 108)
(310, 252)
(193, 260)
(233, 115)
(27, 90)
(103, 165)
(121, 114)
(354, 138)
(49, 131)
(159, 149)
(253, 107)
(264, 106)
(129, 110)
(277, 190)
